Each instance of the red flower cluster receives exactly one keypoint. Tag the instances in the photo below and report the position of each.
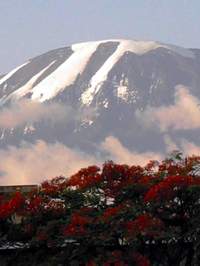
(116, 177)
(111, 212)
(99, 208)
(85, 178)
(12, 206)
(77, 226)
(145, 225)
(167, 188)
(54, 186)
(34, 205)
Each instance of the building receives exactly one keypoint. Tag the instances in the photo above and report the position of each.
(9, 190)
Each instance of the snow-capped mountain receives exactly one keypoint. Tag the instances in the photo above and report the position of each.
(120, 88)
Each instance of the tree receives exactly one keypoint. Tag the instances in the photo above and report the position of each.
(117, 215)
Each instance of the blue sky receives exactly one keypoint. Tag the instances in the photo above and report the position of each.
(31, 27)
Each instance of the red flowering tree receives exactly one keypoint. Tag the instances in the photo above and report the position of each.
(117, 215)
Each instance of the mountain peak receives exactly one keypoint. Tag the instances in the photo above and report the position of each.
(136, 46)
(64, 66)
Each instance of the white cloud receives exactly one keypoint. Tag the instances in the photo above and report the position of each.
(32, 163)
(184, 114)
(121, 154)
(190, 148)
(170, 144)
(18, 113)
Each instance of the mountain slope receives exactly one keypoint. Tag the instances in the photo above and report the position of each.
(118, 88)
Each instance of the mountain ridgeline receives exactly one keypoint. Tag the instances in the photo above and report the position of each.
(131, 90)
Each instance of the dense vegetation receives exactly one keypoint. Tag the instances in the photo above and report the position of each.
(118, 215)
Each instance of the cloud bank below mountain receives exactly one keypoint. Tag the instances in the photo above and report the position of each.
(183, 114)
(26, 111)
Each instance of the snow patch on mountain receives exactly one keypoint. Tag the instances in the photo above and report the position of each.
(29, 129)
(101, 75)
(122, 92)
(66, 74)
(29, 85)
(11, 73)
(125, 46)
